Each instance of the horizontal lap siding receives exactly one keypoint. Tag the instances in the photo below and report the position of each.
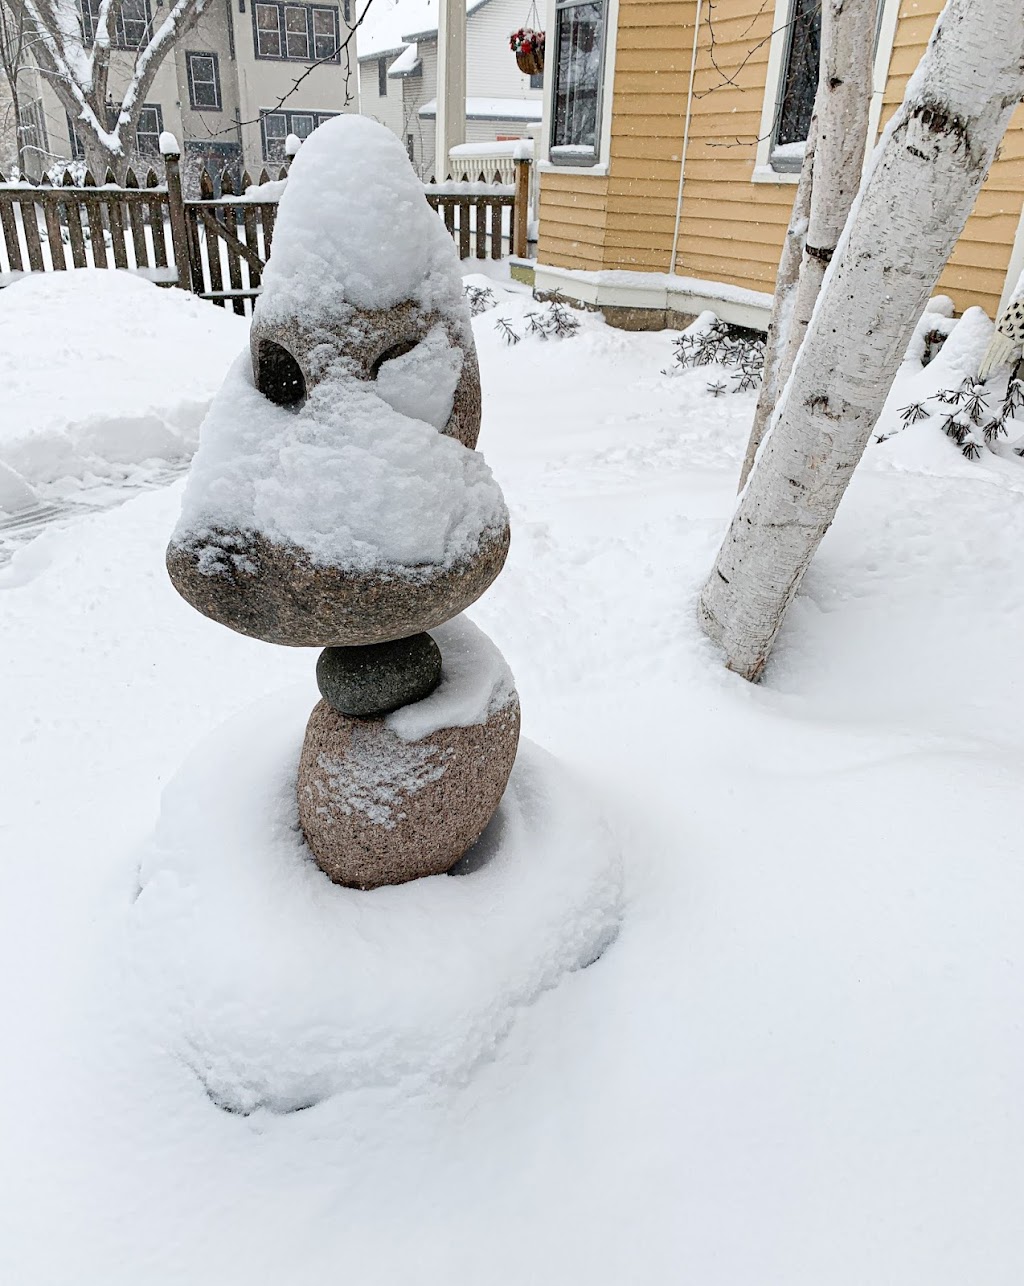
(572, 217)
(731, 229)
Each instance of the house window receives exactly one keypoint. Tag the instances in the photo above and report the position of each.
(382, 78)
(131, 26)
(203, 82)
(799, 85)
(297, 32)
(148, 130)
(576, 101)
(410, 147)
(276, 126)
(32, 129)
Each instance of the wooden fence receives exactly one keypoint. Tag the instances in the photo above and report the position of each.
(216, 246)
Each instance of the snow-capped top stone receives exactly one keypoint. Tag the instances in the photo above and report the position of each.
(292, 144)
(353, 227)
(169, 144)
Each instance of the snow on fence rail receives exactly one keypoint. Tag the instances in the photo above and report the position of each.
(216, 246)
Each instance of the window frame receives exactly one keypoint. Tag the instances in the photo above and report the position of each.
(88, 19)
(32, 118)
(338, 15)
(152, 153)
(315, 114)
(778, 56)
(203, 107)
(556, 152)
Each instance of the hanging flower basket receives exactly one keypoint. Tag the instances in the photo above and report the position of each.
(528, 47)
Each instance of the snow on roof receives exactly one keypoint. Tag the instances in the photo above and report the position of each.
(492, 109)
(407, 63)
(390, 25)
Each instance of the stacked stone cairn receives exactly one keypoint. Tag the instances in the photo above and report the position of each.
(377, 803)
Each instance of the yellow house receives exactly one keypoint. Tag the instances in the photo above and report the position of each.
(672, 137)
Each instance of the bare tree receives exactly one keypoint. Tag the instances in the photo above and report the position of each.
(913, 204)
(77, 64)
(13, 62)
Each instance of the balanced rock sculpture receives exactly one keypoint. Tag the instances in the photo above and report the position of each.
(337, 501)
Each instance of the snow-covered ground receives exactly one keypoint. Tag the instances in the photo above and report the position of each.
(798, 1063)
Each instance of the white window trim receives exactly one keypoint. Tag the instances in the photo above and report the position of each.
(763, 172)
(602, 166)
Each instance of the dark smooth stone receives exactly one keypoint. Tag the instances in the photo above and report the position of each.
(378, 678)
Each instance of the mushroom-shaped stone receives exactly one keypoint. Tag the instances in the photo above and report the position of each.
(335, 499)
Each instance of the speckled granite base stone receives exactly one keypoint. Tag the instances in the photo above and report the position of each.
(273, 592)
(379, 810)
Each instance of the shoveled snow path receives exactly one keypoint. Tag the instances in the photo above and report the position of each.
(799, 1063)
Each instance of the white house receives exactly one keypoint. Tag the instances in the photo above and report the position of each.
(398, 74)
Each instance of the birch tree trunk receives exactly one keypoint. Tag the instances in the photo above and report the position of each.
(777, 339)
(829, 180)
(841, 105)
(913, 205)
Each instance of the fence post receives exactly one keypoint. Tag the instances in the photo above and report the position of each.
(176, 209)
(521, 209)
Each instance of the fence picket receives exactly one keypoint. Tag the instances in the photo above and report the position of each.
(10, 234)
(155, 219)
(481, 226)
(97, 235)
(53, 236)
(135, 220)
(229, 217)
(251, 240)
(30, 223)
(73, 215)
(496, 212)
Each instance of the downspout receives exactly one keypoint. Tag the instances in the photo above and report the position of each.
(686, 139)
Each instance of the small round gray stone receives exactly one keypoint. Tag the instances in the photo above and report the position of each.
(378, 678)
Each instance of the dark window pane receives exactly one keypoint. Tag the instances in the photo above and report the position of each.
(296, 33)
(147, 131)
(268, 31)
(382, 78)
(204, 82)
(301, 124)
(133, 24)
(800, 82)
(325, 33)
(578, 76)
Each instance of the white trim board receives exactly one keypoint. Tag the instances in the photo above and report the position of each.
(612, 288)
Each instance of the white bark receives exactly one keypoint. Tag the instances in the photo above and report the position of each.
(777, 339)
(841, 105)
(913, 205)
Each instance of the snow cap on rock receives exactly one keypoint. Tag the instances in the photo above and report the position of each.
(353, 227)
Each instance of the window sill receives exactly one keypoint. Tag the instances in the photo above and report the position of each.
(599, 170)
(765, 174)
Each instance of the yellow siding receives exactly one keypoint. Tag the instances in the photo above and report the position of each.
(731, 229)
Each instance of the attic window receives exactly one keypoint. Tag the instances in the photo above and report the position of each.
(280, 377)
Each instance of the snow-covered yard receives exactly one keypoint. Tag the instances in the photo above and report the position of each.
(799, 1061)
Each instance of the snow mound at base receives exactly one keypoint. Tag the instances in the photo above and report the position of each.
(280, 989)
(102, 371)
